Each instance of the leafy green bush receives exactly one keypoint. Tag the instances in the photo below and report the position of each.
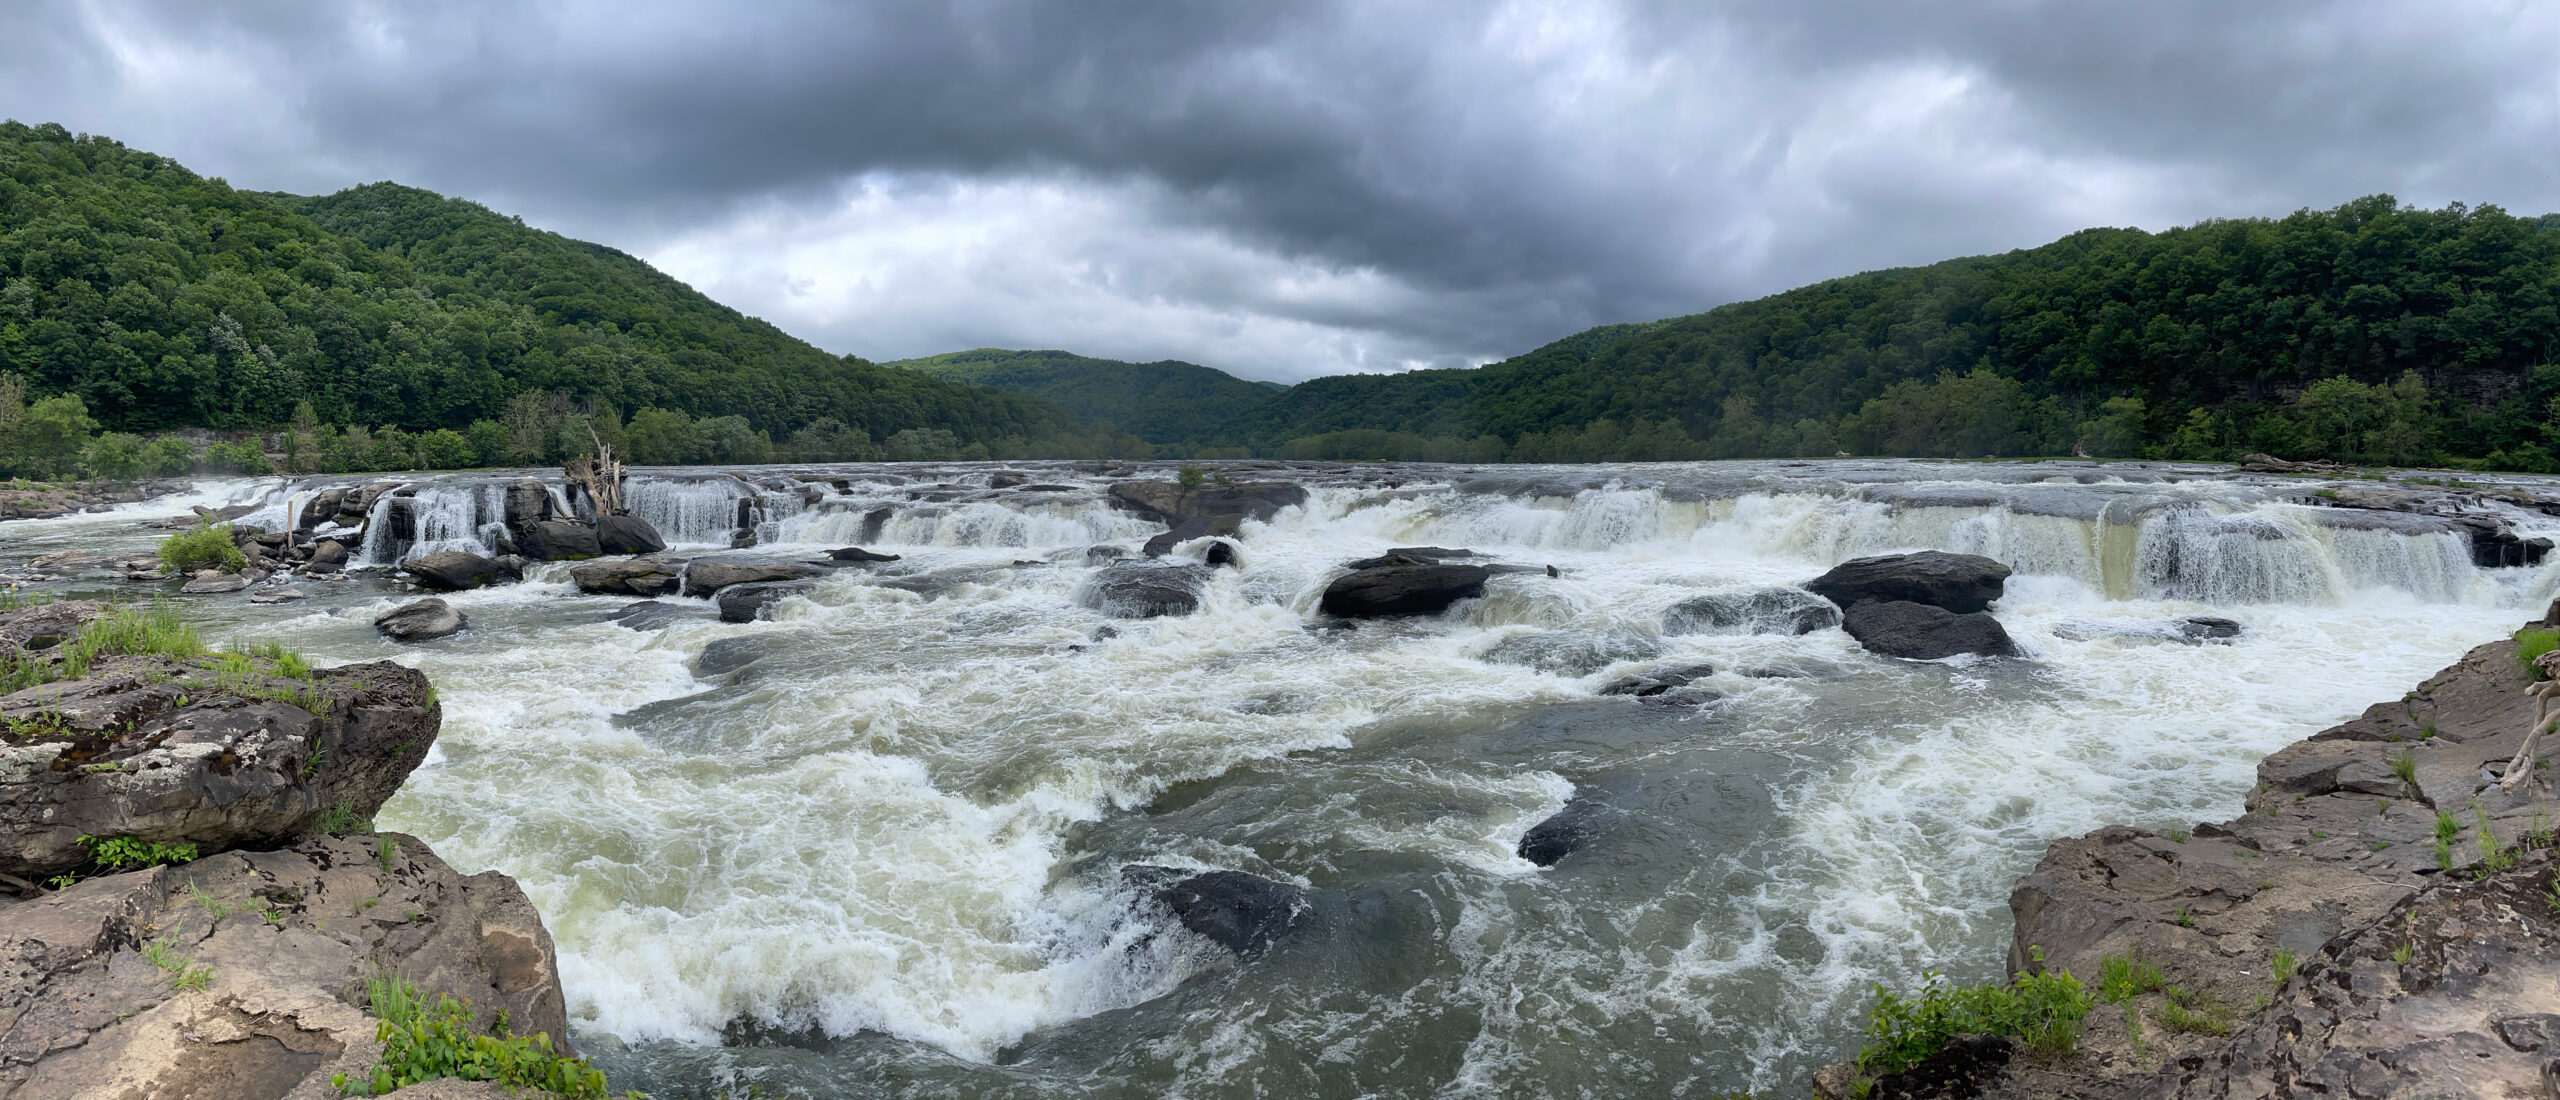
(116, 456)
(2042, 1011)
(1190, 476)
(168, 456)
(124, 853)
(242, 457)
(2532, 642)
(426, 1042)
(204, 546)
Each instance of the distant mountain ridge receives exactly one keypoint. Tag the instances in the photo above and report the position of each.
(1164, 402)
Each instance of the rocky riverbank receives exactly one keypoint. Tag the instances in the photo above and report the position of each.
(2381, 922)
(34, 500)
(202, 902)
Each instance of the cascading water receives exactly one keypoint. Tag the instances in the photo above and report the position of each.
(889, 823)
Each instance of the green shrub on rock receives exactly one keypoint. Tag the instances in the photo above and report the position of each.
(2042, 1011)
(425, 1042)
(204, 546)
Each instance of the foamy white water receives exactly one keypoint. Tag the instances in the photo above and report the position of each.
(891, 822)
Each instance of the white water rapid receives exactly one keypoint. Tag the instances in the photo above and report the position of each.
(872, 847)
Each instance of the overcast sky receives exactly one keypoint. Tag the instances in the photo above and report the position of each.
(1285, 190)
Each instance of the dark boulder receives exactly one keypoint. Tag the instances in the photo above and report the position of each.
(1219, 553)
(1921, 632)
(420, 621)
(528, 503)
(855, 555)
(648, 615)
(1199, 527)
(2494, 545)
(1168, 502)
(1751, 611)
(321, 508)
(728, 655)
(629, 577)
(558, 540)
(1238, 911)
(2206, 628)
(1667, 684)
(327, 556)
(1411, 555)
(627, 535)
(1103, 555)
(1581, 820)
(708, 575)
(745, 603)
(1402, 590)
(456, 570)
(1144, 590)
(1961, 583)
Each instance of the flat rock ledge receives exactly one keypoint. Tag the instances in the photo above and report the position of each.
(284, 942)
(2416, 978)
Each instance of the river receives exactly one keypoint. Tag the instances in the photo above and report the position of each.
(872, 847)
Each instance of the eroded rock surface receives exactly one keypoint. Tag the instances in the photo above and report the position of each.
(274, 949)
(178, 751)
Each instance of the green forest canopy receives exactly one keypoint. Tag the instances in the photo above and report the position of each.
(436, 331)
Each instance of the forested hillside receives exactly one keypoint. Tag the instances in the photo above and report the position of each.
(2372, 332)
(162, 299)
(1162, 402)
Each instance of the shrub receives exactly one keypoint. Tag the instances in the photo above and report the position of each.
(117, 456)
(204, 546)
(124, 853)
(1190, 476)
(2043, 1011)
(446, 449)
(242, 457)
(427, 1042)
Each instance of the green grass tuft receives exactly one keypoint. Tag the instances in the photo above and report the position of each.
(2532, 642)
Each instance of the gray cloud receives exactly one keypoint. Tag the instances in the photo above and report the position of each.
(1286, 190)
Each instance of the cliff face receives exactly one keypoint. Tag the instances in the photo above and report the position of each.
(2335, 868)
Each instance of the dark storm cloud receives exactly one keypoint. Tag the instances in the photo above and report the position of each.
(1292, 189)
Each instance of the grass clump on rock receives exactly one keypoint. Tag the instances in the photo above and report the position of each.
(204, 546)
(427, 1042)
(2532, 642)
(2041, 1011)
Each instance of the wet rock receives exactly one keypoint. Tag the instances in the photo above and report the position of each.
(169, 751)
(1201, 527)
(558, 540)
(629, 577)
(1664, 683)
(420, 621)
(1571, 653)
(456, 571)
(1961, 583)
(648, 615)
(2494, 545)
(2208, 628)
(1238, 911)
(627, 535)
(323, 507)
(1921, 632)
(1402, 590)
(277, 595)
(1219, 553)
(708, 575)
(211, 582)
(327, 556)
(1103, 555)
(858, 555)
(1751, 611)
(1170, 503)
(1412, 555)
(301, 929)
(528, 503)
(1581, 821)
(745, 603)
(1144, 590)
(1006, 479)
(728, 655)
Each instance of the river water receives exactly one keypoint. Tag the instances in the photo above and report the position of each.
(871, 848)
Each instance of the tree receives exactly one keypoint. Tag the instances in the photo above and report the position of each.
(446, 449)
(53, 435)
